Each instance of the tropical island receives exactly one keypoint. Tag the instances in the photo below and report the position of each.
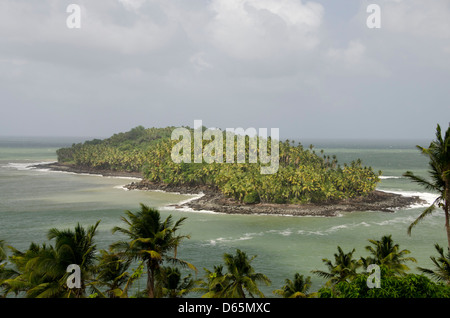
(306, 183)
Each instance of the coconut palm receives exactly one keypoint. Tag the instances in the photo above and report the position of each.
(112, 274)
(343, 269)
(385, 252)
(172, 285)
(5, 271)
(241, 279)
(295, 289)
(438, 154)
(151, 241)
(213, 285)
(33, 278)
(442, 266)
(74, 247)
(42, 270)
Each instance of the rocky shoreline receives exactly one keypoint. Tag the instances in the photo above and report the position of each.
(56, 166)
(213, 200)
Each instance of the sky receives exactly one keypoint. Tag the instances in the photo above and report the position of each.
(312, 69)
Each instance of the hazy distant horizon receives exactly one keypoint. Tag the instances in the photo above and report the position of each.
(304, 141)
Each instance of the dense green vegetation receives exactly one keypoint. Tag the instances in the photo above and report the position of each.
(303, 176)
(150, 252)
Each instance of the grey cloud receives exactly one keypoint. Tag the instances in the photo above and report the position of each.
(312, 69)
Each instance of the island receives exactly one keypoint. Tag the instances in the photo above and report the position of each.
(307, 182)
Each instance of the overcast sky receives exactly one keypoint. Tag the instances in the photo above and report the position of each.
(312, 69)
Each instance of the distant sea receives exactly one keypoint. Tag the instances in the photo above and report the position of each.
(33, 201)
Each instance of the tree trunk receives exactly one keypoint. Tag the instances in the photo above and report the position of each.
(150, 282)
(446, 210)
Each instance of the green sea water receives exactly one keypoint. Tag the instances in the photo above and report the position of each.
(33, 201)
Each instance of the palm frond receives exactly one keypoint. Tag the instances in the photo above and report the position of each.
(428, 211)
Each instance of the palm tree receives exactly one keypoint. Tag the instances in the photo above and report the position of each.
(385, 252)
(42, 270)
(438, 154)
(295, 289)
(214, 284)
(442, 265)
(31, 278)
(151, 241)
(74, 247)
(111, 273)
(171, 284)
(241, 278)
(5, 272)
(343, 269)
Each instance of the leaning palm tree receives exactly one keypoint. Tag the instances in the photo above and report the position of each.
(241, 278)
(151, 241)
(74, 247)
(438, 154)
(295, 289)
(343, 269)
(385, 252)
(442, 266)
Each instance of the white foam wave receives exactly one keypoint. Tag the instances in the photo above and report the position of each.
(428, 197)
(31, 166)
(333, 229)
(245, 237)
(21, 166)
(193, 198)
(121, 187)
(398, 220)
(389, 177)
(178, 206)
(126, 178)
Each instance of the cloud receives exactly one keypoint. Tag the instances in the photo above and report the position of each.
(132, 5)
(417, 18)
(354, 61)
(290, 64)
(259, 29)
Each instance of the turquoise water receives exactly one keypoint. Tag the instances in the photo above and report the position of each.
(33, 201)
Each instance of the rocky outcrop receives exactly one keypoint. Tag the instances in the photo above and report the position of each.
(214, 200)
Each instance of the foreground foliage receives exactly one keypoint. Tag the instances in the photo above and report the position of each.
(40, 271)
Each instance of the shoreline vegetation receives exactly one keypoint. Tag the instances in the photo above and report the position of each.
(307, 182)
(214, 200)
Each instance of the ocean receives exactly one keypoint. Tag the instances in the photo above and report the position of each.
(32, 201)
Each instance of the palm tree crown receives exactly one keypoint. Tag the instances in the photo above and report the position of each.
(343, 269)
(385, 252)
(151, 240)
(438, 154)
